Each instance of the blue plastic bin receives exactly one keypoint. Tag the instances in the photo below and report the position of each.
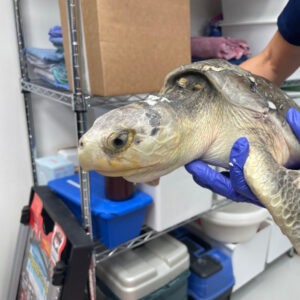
(211, 270)
(212, 276)
(195, 245)
(114, 223)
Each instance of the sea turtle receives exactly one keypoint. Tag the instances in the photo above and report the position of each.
(202, 109)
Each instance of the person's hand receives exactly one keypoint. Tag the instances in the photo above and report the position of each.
(233, 185)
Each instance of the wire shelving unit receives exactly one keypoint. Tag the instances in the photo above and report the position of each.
(80, 103)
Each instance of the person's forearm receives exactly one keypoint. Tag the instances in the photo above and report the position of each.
(276, 62)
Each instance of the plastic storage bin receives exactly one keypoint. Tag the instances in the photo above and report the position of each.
(238, 11)
(248, 259)
(212, 276)
(234, 223)
(175, 199)
(113, 222)
(195, 245)
(174, 290)
(212, 273)
(141, 272)
(52, 167)
(278, 243)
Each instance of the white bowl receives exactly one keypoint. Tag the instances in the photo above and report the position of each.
(234, 223)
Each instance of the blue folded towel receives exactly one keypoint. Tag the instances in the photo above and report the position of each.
(55, 31)
(56, 40)
(55, 35)
(46, 55)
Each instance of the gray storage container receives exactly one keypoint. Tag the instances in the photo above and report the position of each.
(160, 266)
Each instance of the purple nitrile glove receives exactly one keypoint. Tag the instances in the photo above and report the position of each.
(293, 118)
(234, 186)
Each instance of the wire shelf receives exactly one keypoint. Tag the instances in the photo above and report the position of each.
(102, 253)
(37, 88)
(66, 98)
(115, 101)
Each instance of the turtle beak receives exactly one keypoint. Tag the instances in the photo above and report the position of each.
(85, 154)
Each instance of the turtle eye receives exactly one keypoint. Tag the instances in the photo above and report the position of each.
(119, 141)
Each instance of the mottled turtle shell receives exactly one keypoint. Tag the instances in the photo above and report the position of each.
(238, 86)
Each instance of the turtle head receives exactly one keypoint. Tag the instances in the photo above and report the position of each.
(138, 141)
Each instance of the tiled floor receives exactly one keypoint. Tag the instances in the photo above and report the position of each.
(280, 281)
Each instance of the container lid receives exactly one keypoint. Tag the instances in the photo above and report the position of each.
(213, 277)
(237, 214)
(69, 188)
(206, 266)
(53, 162)
(145, 269)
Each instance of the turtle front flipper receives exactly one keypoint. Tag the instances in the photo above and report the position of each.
(277, 188)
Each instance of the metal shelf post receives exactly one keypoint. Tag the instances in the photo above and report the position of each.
(26, 95)
(79, 107)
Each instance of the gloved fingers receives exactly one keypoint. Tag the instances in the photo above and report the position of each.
(239, 152)
(238, 157)
(207, 177)
(293, 117)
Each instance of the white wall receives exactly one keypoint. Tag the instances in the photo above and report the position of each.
(201, 12)
(15, 175)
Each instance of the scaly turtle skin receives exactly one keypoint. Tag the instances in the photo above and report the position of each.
(201, 111)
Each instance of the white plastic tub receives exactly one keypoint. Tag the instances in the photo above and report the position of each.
(234, 223)
(177, 198)
(237, 11)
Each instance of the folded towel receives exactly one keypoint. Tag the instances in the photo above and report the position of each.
(60, 73)
(48, 64)
(36, 62)
(55, 36)
(46, 55)
(219, 47)
(55, 31)
(56, 41)
(49, 78)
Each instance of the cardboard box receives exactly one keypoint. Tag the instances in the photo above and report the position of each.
(131, 45)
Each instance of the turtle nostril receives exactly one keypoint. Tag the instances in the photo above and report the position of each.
(81, 143)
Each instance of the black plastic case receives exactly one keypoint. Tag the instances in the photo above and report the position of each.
(57, 254)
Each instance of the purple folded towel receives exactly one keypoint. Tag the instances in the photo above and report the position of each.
(219, 47)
